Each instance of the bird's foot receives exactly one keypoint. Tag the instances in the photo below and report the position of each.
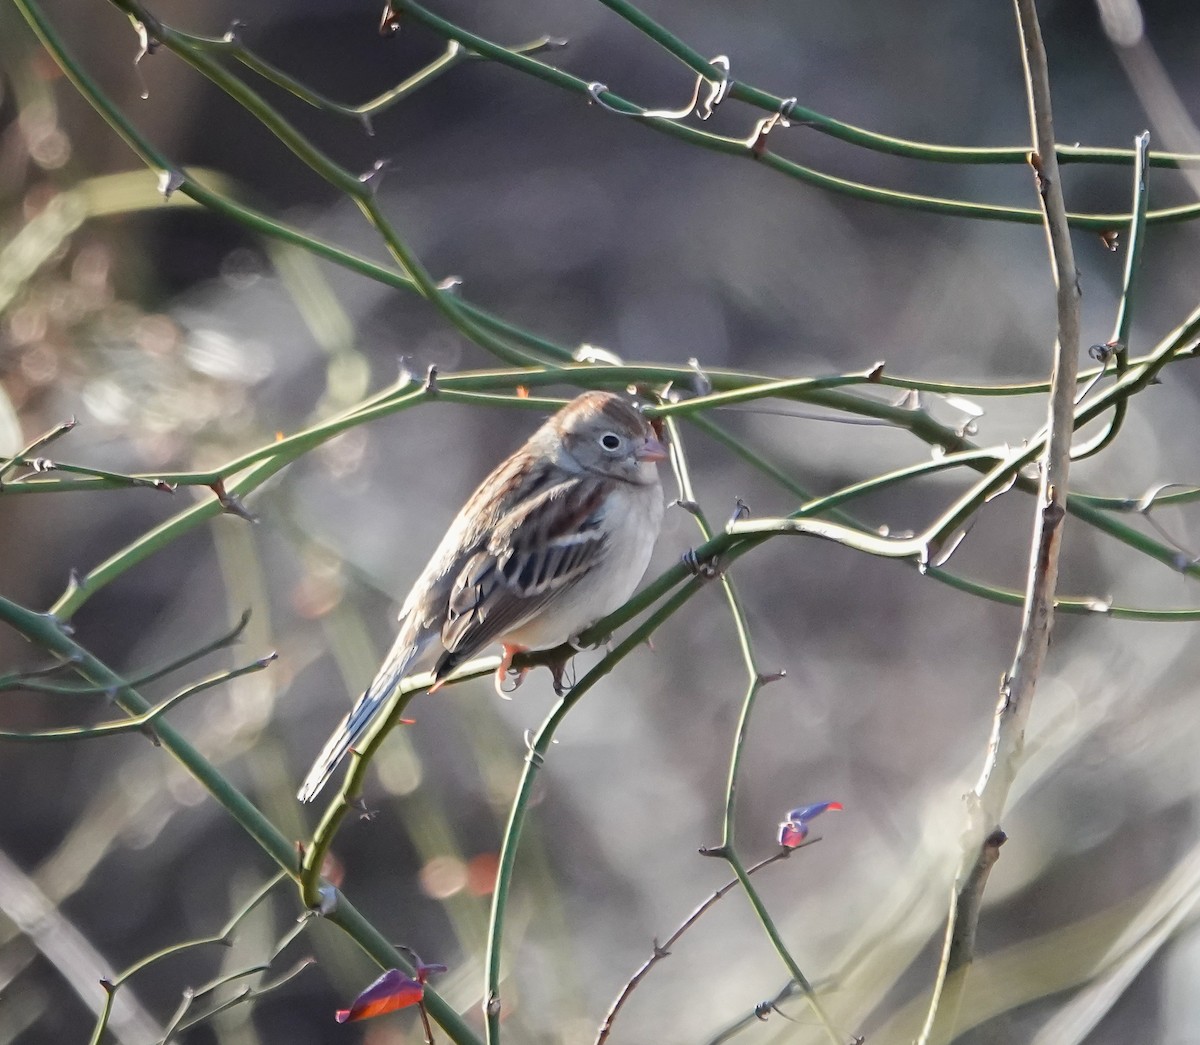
(560, 670)
(704, 568)
(508, 678)
(579, 646)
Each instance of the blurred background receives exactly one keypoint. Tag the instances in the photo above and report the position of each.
(179, 340)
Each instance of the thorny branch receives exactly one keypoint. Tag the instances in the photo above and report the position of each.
(663, 950)
(1018, 686)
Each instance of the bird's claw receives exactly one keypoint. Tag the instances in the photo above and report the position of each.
(559, 669)
(708, 569)
(509, 678)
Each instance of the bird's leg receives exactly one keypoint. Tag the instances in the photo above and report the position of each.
(705, 568)
(579, 646)
(558, 668)
(508, 678)
(712, 566)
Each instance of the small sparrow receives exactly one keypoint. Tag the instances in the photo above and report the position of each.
(555, 538)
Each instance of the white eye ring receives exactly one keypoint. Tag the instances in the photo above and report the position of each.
(610, 441)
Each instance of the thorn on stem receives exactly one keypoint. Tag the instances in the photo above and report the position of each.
(741, 510)
(230, 502)
(170, 180)
(719, 851)
(492, 1006)
(757, 142)
(147, 45)
(389, 22)
(766, 678)
(374, 176)
(717, 89)
(327, 899)
(691, 507)
(532, 755)
(430, 388)
(61, 625)
(365, 813)
(1053, 513)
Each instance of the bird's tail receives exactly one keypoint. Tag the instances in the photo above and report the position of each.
(356, 724)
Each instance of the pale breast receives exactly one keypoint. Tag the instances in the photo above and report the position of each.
(632, 519)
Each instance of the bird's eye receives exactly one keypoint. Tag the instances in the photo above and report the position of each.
(610, 441)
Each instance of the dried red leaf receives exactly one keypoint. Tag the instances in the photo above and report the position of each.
(794, 829)
(392, 991)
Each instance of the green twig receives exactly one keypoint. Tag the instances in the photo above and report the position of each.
(360, 189)
(255, 220)
(1118, 344)
(29, 680)
(47, 632)
(796, 113)
(454, 54)
(140, 721)
(59, 430)
(757, 679)
(349, 795)
(916, 421)
(41, 466)
(1079, 605)
(247, 993)
(753, 147)
(222, 937)
(520, 806)
(663, 950)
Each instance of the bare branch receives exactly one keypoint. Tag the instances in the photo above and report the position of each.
(1018, 686)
